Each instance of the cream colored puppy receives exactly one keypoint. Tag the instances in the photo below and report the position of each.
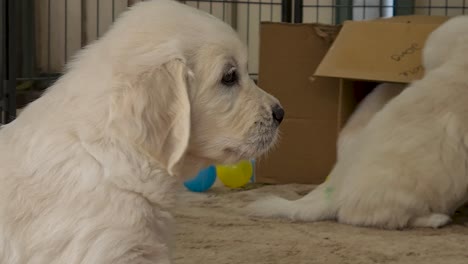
(89, 171)
(408, 166)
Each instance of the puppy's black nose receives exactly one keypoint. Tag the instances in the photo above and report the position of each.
(278, 113)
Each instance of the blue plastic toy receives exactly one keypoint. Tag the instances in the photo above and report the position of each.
(203, 181)
(252, 180)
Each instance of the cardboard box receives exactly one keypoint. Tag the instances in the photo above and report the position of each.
(382, 50)
(362, 55)
(289, 55)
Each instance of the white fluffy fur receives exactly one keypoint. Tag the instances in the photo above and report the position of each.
(89, 171)
(408, 167)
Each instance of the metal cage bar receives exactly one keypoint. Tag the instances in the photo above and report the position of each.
(403, 7)
(9, 15)
(298, 11)
(286, 12)
(3, 53)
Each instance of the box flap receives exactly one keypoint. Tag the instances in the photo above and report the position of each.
(379, 50)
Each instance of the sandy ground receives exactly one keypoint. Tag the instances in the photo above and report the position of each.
(212, 229)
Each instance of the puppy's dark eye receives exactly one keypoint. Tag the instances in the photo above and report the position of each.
(230, 78)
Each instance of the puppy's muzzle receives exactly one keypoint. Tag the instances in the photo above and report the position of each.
(278, 114)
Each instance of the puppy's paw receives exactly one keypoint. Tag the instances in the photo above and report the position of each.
(432, 221)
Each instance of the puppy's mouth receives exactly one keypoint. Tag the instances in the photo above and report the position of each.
(261, 137)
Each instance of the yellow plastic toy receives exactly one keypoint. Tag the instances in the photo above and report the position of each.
(235, 176)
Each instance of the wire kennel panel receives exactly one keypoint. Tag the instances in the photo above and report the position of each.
(337, 11)
(40, 36)
(64, 26)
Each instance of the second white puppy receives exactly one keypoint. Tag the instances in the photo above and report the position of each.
(408, 166)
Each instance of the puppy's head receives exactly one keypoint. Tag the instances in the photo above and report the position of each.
(232, 118)
(445, 42)
(185, 86)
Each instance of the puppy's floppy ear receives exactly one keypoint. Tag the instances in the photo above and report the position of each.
(176, 114)
(152, 108)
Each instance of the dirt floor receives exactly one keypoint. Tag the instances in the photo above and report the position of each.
(211, 229)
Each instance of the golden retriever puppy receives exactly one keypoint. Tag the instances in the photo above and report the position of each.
(408, 166)
(88, 172)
